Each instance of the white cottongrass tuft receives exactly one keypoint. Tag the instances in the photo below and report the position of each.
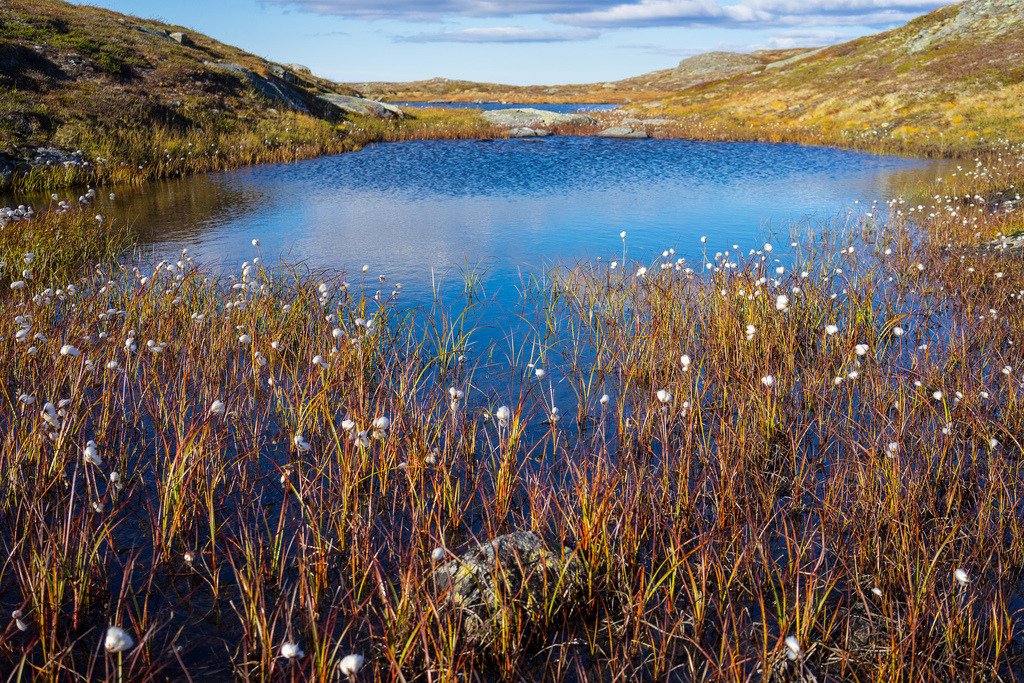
(793, 649)
(217, 408)
(831, 329)
(91, 454)
(292, 651)
(301, 444)
(350, 665)
(782, 303)
(685, 361)
(768, 381)
(117, 640)
(961, 576)
(502, 414)
(664, 396)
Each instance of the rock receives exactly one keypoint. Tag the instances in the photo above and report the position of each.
(156, 33)
(531, 118)
(302, 69)
(272, 90)
(181, 38)
(363, 106)
(284, 74)
(516, 571)
(528, 133)
(624, 133)
(51, 156)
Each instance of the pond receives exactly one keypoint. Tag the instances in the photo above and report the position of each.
(416, 211)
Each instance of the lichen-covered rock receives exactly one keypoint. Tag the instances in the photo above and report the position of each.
(517, 571)
(180, 38)
(624, 132)
(532, 118)
(363, 106)
(528, 133)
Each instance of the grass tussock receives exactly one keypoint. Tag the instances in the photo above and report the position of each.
(796, 472)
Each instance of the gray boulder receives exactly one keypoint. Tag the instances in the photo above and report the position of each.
(528, 133)
(517, 571)
(363, 106)
(284, 74)
(181, 38)
(301, 68)
(624, 133)
(532, 118)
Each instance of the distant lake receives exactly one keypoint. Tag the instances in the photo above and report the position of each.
(488, 106)
(415, 210)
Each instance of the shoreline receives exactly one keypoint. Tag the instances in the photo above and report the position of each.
(47, 179)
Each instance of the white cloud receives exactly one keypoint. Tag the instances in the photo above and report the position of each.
(613, 13)
(752, 13)
(503, 34)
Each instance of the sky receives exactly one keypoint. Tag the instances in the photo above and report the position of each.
(517, 41)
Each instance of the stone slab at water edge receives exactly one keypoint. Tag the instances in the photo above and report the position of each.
(624, 132)
(532, 118)
(525, 132)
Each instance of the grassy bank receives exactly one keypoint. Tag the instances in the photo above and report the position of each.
(135, 155)
(828, 483)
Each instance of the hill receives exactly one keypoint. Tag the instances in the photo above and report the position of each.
(689, 72)
(89, 94)
(950, 80)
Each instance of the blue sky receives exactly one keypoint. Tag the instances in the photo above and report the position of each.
(517, 41)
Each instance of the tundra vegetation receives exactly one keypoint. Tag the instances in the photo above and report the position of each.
(792, 461)
(799, 460)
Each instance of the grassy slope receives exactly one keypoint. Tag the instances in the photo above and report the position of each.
(140, 105)
(949, 81)
(649, 86)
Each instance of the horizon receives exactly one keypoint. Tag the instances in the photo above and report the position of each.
(527, 42)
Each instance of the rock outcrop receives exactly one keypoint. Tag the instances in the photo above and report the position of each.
(517, 571)
(525, 132)
(623, 132)
(363, 106)
(269, 88)
(532, 118)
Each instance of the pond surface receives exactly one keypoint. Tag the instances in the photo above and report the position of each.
(561, 108)
(414, 211)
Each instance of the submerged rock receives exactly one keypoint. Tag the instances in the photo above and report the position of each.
(517, 571)
(531, 118)
(624, 132)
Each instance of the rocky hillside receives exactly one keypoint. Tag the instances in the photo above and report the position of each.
(702, 68)
(81, 78)
(950, 79)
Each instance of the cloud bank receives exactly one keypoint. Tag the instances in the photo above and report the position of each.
(636, 13)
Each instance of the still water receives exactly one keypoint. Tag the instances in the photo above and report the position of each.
(415, 211)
